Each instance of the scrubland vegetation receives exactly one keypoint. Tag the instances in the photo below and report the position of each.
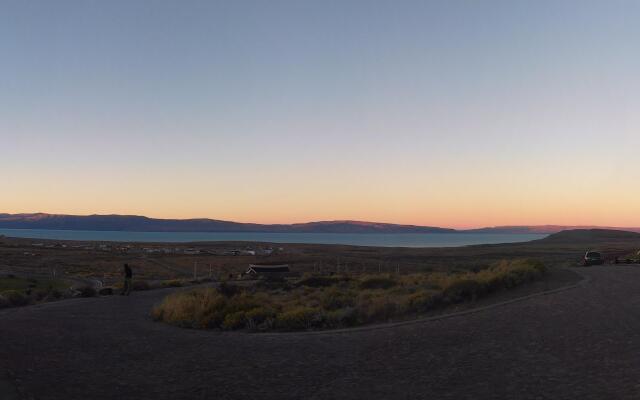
(337, 301)
(15, 291)
(20, 291)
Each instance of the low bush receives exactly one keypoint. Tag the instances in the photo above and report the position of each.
(274, 283)
(208, 308)
(40, 294)
(191, 309)
(318, 302)
(234, 320)
(377, 307)
(341, 318)
(334, 299)
(299, 318)
(318, 281)
(228, 289)
(260, 318)
(4, 302)
(462, 290)
(87, 291)
(15, 298)
(377, 282)
(423, 300)
(172, 283)
(106, 291)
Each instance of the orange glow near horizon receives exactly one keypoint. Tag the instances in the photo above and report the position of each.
(452, 205)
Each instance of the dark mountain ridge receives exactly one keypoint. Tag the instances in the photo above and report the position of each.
(137, 223)
(591, 236)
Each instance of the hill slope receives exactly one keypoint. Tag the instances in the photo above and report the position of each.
(591, 236)
(544, 229)
(144, 224)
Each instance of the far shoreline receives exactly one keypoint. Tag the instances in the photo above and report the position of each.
(369, 239)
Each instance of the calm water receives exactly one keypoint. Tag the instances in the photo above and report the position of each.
(360, 239)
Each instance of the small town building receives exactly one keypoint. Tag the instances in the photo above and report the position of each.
(264, 252)
(280, 269)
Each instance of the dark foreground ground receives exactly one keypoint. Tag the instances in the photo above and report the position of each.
(577, 343)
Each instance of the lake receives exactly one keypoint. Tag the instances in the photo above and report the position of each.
(357, 239)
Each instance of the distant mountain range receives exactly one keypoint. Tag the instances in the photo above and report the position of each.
(135, 223)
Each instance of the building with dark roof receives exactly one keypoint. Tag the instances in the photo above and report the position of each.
(268, 269)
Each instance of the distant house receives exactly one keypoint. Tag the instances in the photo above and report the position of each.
(281, 269)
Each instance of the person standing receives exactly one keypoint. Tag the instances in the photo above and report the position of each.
(128, 278)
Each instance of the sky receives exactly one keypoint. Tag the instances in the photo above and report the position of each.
(456, 113)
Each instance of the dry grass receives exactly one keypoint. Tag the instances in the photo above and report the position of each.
(317, 302)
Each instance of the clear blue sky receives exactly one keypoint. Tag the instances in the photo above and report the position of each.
(454, 113)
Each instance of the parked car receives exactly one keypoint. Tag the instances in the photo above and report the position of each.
(592, 258)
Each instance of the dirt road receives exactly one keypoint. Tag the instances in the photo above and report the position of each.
(579, 343)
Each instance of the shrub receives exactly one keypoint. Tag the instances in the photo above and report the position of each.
(375, 308)
(200, 308)
(423, 300)
(344, 317)
(172, 283)
(106, 291)
(49, 294)
(260, 318)
(508, 274)
(377, 282)
(298, 318)
(318, 281)
(15, 298)
(244, 301)
(40, 294)
(4, 302)
(87, 291)
(228, 290)
(54, 294)
(334, 298)
(235, 320)
(463, 289)
(274, 283)
(336, 301)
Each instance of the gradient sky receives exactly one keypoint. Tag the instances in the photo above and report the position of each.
(449, 113)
